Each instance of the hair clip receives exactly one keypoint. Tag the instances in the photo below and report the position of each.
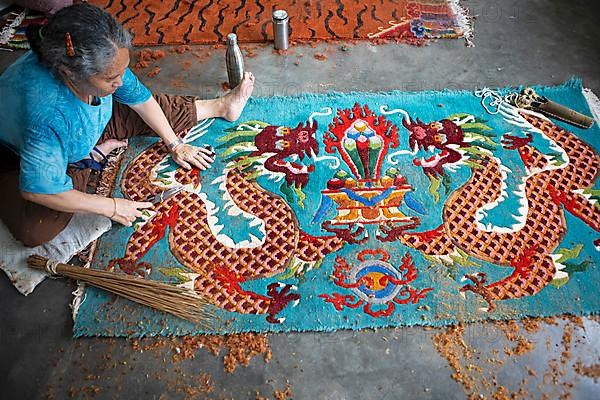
(69, 43)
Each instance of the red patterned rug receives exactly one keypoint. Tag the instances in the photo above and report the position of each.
(206, 22)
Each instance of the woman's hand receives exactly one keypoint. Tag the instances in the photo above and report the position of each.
(189, 156)
(126, 211)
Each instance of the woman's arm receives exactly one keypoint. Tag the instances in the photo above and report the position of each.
(185, 155)
(73, 201)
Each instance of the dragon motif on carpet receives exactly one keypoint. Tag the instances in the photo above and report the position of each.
(220, 267)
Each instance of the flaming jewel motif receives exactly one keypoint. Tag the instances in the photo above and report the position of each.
(362, 138)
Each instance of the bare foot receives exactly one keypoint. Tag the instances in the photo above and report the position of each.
(106, 147)
(235, 101)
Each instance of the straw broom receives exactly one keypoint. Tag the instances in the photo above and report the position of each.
(181, 302)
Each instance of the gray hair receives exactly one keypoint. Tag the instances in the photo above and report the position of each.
(96, 38)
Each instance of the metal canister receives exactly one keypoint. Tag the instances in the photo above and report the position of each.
(281, 29)
(234, 60)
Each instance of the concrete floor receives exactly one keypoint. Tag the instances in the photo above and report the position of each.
(517, 42)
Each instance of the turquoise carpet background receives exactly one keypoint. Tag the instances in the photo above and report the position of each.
(102, 314)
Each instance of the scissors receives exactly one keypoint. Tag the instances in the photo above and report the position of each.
(165, 195)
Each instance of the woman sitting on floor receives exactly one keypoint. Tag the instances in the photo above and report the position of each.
(59, 122)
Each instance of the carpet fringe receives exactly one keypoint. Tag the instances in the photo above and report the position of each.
(593, 102)
(465, 21)
(78, 298)
(106, 186)
(108, 179)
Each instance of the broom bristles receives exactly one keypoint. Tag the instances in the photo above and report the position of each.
(181, 302)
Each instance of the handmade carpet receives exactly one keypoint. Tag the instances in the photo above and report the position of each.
(206, 22)
(364, 210)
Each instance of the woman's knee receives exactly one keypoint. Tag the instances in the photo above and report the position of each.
(36, 234)
(179, 110)
(33, 224)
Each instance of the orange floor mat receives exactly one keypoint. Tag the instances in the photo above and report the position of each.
(157, 22)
